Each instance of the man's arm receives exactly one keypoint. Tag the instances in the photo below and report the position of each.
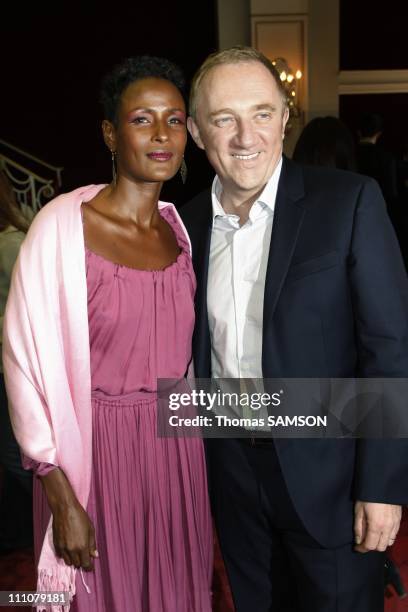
(380, 301)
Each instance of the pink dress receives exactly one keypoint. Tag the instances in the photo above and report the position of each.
(148, 498)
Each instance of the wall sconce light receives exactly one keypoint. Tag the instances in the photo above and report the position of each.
(291, 81)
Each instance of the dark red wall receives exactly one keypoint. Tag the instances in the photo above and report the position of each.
(373, 36)
(53, 59)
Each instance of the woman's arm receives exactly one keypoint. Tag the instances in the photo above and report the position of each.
(47, 372)
(73, 532)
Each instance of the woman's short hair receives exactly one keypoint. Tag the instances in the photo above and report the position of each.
(133, 69)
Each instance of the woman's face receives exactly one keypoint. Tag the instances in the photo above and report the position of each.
(150, 135)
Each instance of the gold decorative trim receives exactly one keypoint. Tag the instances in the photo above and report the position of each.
(352, 82)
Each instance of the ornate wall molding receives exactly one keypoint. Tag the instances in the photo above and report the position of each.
(373, 82)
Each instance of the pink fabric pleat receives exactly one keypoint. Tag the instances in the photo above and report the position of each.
(149, 507)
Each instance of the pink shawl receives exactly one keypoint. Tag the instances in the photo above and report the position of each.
(46, 358)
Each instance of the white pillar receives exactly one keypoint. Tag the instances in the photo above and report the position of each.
(234, 23)
(323, 58)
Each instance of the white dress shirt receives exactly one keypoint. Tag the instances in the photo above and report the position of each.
(236, 283)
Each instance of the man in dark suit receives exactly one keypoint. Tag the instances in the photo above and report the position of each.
(299, 275)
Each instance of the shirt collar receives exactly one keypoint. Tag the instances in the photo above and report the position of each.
(267, 197)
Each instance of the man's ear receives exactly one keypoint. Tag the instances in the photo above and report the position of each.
(109, 135)
(195, 132)
(285, 120)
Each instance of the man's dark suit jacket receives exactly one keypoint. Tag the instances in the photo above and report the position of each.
(335, 305)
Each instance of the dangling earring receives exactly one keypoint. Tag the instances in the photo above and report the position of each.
(113, 168)
(183, 171)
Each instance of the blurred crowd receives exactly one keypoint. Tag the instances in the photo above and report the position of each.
(327, 141)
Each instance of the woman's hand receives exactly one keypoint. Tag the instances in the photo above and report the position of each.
(74, 536)
(73, 532)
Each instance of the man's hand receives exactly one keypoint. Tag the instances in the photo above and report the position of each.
(375, 525)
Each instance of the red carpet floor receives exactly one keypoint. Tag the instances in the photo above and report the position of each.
(17, 573)
(399, 554)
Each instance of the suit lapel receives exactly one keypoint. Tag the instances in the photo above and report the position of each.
(201, 339)
(289, 213)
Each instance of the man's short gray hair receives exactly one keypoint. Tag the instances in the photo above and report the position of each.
(234, 55)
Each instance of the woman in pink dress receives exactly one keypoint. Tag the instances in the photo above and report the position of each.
(101, 305)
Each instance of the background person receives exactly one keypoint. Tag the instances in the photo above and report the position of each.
(372, 159)
(326, 141)
(16, 517)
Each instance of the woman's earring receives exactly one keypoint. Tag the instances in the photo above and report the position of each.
(183, 171)
(113, 167)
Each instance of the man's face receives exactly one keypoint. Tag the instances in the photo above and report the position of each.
(240, 122)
